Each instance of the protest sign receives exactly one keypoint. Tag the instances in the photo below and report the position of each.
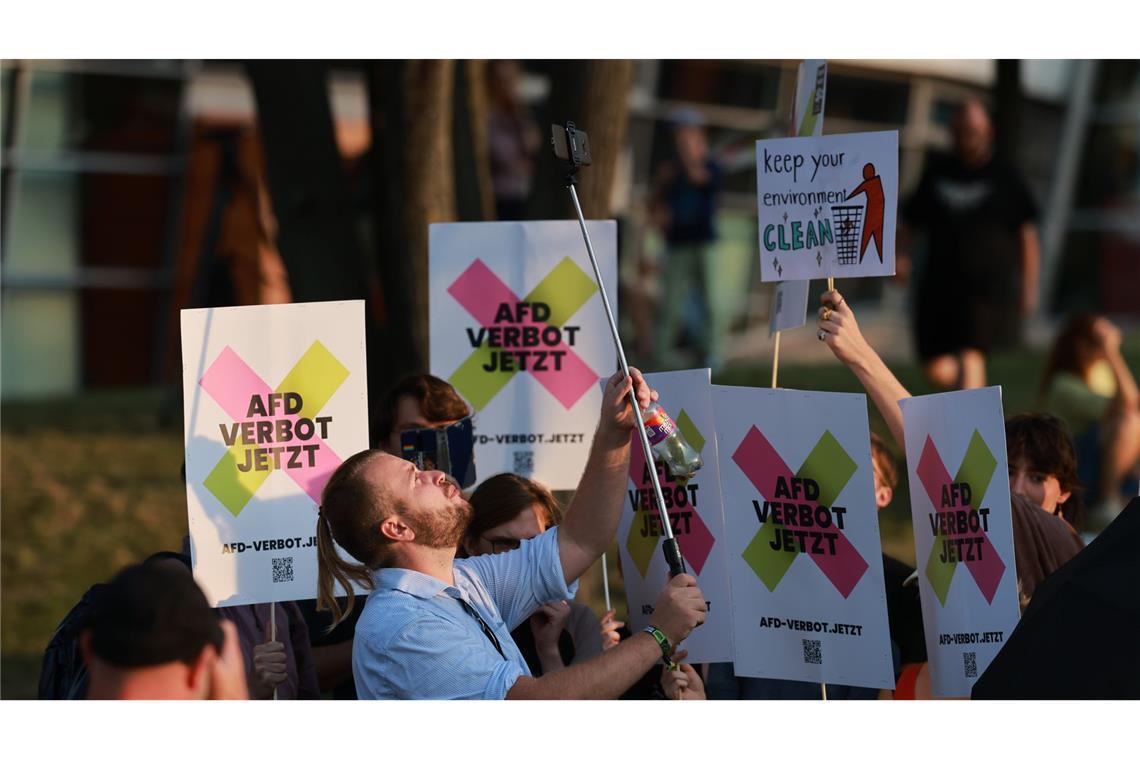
(695, 515)
(804, 559)
(517, 328)
(827, 206)
(275, 398)
(811, 97)
(961, 520)
(789, 307)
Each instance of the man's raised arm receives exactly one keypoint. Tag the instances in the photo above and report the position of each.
(592, 517)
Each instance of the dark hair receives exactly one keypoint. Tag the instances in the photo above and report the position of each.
(439, 402)
(1074, 350)
(1043, 442)
(502, 498)
(882, 456)
(152, 614)
(351, 511)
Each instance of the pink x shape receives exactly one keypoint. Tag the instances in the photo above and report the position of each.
(232, 383)
(481, 293)
(696, 545)
(933, 475)
(762, 465)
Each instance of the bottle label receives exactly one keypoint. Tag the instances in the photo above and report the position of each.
(659, 427)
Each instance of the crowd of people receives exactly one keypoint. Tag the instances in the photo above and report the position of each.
(472, 596)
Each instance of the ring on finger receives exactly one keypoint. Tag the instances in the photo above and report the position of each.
(826, 314)
(822, 334)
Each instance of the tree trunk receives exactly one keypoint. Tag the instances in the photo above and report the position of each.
(411, 103)
(316, 225)
(595, 96)
(474, 196)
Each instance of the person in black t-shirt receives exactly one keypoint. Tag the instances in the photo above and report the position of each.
(982, 253)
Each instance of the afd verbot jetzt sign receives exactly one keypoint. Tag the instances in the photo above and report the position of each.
(275, 398)
(805, 563)
(694, 508)
(518, 328)
(827, 205)
(963, 531)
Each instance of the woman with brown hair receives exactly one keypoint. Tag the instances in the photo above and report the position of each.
(1088, 384)
(508, 510)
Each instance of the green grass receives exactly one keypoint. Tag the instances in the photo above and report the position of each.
(91, 484)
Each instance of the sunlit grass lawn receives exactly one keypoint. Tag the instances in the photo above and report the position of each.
(91, 484)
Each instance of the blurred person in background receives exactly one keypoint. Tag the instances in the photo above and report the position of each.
(509, 509)
(1087, 384)
(513, 138)
(152, 635)
(683, 205)
(982, 250)
(415, 402)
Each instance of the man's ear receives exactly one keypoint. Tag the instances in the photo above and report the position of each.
(1064, 496)
(395, 529)
(199, 672)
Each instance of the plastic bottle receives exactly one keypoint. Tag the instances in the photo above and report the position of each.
(669, 446)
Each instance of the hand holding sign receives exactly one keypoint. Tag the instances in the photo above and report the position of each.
(839, 330)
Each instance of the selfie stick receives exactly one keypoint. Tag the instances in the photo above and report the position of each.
(670, 547)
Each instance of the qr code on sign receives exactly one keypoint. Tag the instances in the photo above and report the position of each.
(813, 654)
(282, 569)
(524, 463)
(970, 662)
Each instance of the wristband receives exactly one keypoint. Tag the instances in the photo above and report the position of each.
(662, 641)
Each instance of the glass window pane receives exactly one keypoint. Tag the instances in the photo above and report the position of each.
(40, 344)
(69, 111)
(44, 233)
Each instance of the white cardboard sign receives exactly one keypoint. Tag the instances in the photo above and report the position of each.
(518, 328)
(963, 531)
(275, 399)
(805, 562)
(789, 307)
(696, 517)
(811, 98)
(827, 206)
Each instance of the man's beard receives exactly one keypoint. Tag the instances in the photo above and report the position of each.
(443, 529)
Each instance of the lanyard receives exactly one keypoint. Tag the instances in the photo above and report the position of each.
(482, 625)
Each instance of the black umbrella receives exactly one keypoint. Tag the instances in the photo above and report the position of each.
(1080, 636)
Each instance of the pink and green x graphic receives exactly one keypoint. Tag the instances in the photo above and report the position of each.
(977, 469)
(232, 384)
(697, 542)
(829, 466)
(480, 291)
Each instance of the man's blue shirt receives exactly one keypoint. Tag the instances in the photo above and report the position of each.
(414, 639)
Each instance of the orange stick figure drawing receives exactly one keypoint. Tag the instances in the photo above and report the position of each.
(872, 187)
